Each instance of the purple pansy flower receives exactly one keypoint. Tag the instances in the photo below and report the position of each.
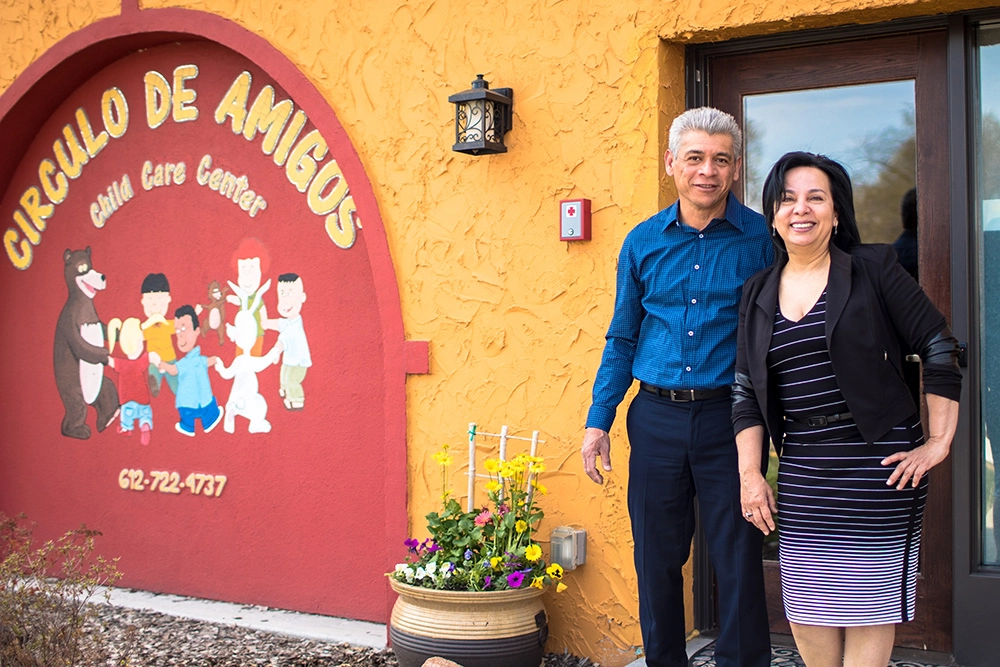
(515, 579)
(412, 544)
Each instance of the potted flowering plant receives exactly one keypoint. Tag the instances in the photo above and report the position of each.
(470, 592)
(487, 549)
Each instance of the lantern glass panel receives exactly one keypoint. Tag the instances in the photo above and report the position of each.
(489, 122)
(471, 120)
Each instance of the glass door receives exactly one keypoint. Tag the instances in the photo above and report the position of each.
(877, 106)
(977, 508)
(988, 209)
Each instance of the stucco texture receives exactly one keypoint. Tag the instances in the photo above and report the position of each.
(515, 317)
(29, 28)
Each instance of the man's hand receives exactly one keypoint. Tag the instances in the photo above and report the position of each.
(596, 443)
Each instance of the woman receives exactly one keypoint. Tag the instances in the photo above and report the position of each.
(819, 367)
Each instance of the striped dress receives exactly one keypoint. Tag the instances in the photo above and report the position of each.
(848, 544)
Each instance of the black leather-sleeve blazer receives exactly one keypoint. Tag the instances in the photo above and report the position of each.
(875, 313)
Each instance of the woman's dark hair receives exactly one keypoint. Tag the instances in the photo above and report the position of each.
(840, 188)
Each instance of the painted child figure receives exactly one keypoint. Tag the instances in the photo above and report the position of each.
(133, 376)
(194, 399)
(157, 330)
(244, 397)
(295, 358)
(251, 261)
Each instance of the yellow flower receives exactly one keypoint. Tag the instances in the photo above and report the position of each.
(560, 587)
(441, 457)
(492, 466)
(533, 553)
(521, 525)
(495, 562)
(538, 468)
(555, 571)
(538, 582)
(540, 488)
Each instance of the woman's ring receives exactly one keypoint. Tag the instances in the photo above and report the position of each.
(748, 514)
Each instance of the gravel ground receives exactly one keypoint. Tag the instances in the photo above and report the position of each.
(159, 640)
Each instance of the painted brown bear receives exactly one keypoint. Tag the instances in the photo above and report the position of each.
(80, 355)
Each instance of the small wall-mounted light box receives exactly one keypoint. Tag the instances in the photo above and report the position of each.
(568, 547)
(574, 220)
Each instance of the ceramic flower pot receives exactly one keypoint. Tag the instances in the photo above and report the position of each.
(486, 629)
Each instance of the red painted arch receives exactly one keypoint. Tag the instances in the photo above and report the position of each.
(29, 102)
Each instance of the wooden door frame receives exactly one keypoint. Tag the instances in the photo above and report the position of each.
(911, 49)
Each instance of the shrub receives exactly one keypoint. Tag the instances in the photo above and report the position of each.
(45, 616)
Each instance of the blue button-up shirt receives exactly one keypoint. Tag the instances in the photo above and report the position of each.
(677, 304)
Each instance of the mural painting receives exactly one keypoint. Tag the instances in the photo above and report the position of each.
(163, 232)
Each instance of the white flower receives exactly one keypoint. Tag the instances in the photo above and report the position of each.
(431, 568)
(421, 573)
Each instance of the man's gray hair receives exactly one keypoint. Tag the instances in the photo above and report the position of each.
(709, 121)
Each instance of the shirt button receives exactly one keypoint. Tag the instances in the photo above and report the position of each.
(701, 236)
(697, 266)
(690, 333)
(694, 300)
(688, 369)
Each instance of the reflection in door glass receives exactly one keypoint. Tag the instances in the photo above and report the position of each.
(988, 181)
(868, 128)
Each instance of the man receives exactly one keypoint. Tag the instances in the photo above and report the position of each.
(680, 275)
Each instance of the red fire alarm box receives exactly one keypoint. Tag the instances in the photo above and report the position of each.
(574, 220)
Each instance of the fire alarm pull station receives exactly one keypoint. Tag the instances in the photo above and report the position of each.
(574, 220)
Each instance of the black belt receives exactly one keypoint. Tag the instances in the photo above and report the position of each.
(686, 395)
(820, 420)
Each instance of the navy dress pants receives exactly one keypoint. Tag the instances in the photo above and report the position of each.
(679, 451)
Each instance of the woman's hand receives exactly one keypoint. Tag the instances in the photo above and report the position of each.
(757, 500)
(914, 464)
(942, 420)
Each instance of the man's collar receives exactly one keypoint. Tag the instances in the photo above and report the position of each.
(734, 210)
(732, 215)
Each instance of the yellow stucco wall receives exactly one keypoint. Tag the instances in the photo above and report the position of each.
(515, 317)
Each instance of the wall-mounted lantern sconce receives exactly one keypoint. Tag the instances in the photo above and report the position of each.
(482, 117)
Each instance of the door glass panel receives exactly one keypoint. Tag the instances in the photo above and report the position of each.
(869, 129)
(988, 182)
